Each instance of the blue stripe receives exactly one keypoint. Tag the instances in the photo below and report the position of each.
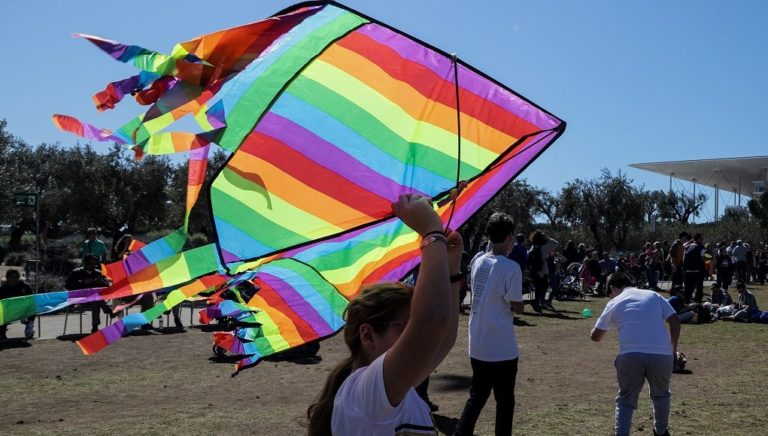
(231, 92)
(328, 248)
(308, 291)
(237, 242)
(330, 129)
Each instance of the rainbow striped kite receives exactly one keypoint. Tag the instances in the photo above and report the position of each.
(329, 116)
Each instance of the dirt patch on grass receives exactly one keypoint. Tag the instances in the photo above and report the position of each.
(172, 384)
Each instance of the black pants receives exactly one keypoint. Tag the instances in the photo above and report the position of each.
(486, 376)
(677, 276)
(693, 280)
(540, 285)
(724, 276)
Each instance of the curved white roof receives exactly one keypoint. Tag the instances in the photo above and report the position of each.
(732, 174)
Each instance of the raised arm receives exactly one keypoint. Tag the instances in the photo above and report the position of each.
(434, 314)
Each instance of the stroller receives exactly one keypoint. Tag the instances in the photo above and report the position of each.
(570, 283)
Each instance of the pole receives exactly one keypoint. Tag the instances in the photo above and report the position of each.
(717, 193)
(693, 215)
(37, 252)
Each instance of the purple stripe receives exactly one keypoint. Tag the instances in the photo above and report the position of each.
(326, 154)
(469, 80)
(509, 170)
(135, 262)
(114, 332)
(297, 303)
(229, 257)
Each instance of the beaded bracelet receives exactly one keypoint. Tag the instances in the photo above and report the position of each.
(430, 238)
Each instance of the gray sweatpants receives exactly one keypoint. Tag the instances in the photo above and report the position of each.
(632, 370)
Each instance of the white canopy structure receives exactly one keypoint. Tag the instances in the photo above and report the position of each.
(741, 175)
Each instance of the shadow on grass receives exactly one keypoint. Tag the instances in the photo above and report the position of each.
(557, 314)
(444, 424)
(519, 322)
(72, 337)
(7, 344)
(450, 382)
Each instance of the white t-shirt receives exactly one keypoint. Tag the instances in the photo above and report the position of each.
(640, 317)
(496, 282)
(361, 407)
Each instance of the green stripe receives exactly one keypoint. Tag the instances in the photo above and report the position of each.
(321, 286)
(377, 133)
(251, 222)
(341, 257)
(13, 309)
(262, 91)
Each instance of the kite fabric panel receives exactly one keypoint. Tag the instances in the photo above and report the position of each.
(329, 116)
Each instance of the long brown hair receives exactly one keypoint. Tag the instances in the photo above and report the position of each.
(376, 305)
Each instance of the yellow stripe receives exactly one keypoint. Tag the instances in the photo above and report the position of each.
(269, 329)
(395, 118)
(288, 329)
(314, 202)
(274, 208)
(442, 117)
(349, 272)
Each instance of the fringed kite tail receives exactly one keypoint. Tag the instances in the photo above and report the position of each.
(88, 131)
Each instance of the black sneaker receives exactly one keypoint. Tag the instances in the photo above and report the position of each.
(177, 322)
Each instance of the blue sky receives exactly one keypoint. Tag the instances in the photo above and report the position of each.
(636, 81)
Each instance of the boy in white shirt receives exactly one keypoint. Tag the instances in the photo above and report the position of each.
(496, 294)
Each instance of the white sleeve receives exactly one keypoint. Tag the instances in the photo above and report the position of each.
(605, 321)
(368, 394)
(514, 284)
(666, 309)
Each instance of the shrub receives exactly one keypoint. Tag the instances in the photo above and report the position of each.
(16, 259)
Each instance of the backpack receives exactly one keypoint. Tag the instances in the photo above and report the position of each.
(535, 263)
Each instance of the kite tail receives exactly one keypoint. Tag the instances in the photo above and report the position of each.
(84, 130)
(96, 342)
(115, 91)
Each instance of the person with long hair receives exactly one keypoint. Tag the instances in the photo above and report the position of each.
(396, 336)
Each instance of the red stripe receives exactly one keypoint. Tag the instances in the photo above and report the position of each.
(388, 266)
(93, 343)
(432, 86)
(313, 175)
(274, 299)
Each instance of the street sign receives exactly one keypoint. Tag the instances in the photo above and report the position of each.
(24, 199)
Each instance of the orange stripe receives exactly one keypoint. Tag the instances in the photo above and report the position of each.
(287, 329)
(352, 287)
(413, 102)
(298, 194)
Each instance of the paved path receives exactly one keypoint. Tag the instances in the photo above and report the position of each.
(52, 326)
